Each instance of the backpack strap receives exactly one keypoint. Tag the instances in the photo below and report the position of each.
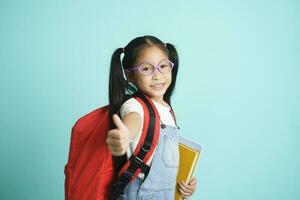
(143, 151)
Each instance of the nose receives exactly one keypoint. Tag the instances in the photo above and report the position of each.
(156, 74)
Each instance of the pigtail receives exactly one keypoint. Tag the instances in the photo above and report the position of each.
(173, 56)
(117, 88)
(117, 84)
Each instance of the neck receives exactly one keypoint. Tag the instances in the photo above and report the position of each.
(160, 101)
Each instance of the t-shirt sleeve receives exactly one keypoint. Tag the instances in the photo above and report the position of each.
(131, 105)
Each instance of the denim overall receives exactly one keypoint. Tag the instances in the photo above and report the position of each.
(160, 183)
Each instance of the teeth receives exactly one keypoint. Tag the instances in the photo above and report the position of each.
(157, 86)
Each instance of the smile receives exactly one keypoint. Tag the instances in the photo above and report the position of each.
(158, 86)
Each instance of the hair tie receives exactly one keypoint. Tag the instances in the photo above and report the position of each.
(123, 50)
(165, 44)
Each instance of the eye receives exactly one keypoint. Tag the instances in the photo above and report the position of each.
(164, 66)
(146, 68)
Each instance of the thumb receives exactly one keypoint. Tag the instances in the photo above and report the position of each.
(118, 122)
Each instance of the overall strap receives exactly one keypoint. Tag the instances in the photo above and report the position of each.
(143, 151)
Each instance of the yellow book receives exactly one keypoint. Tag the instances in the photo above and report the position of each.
(189, 153)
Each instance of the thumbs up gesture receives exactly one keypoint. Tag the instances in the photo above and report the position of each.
(118, 139)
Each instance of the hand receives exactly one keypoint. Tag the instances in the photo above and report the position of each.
(118, 139)
(186, 190)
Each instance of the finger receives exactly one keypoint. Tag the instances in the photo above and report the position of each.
(183, 193)
(186, 186)
(114, 134)
(186, 190)
(114, 146)
(114, 137)
(193, 181)
(115, 149)
(118, 122)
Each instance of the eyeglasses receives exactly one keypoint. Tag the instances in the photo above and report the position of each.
(148, 68)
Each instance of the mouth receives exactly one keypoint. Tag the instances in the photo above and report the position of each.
(157, 86)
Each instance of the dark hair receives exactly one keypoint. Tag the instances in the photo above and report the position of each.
(119, 88)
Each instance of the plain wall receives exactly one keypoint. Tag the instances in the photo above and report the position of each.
(237, 92)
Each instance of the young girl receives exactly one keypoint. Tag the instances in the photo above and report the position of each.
(148, 66)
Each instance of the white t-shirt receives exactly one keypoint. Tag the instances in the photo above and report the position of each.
(132, 105)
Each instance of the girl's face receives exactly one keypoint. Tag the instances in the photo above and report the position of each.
(154, 85)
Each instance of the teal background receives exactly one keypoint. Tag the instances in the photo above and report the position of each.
(237, 92)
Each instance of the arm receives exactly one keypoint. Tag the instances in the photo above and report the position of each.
(133, 122)
(118, 139)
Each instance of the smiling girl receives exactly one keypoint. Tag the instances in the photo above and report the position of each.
(149, 66)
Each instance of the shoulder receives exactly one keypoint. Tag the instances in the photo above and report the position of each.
(131, 105)
(131, 101)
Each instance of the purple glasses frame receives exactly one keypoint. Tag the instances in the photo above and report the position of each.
(137, 68)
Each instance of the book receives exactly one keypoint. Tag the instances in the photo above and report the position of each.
(189, 153)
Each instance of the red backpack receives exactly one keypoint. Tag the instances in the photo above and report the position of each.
(89, 172)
